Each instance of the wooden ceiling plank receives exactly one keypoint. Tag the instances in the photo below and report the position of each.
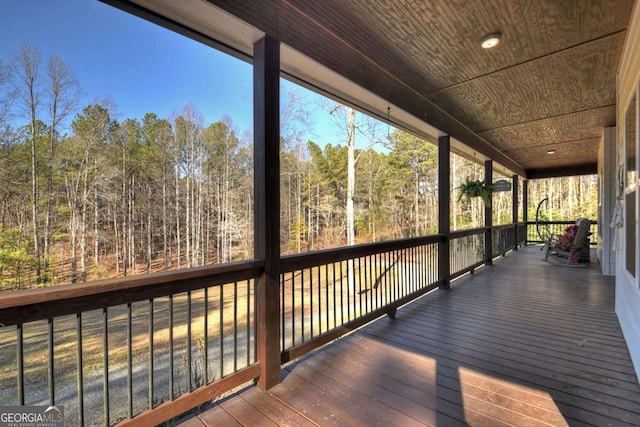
(556, 59)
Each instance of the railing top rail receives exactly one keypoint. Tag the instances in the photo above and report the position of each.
(468, 232)
(309, 259)
(37, 304)
(560, 222)
(504, 226)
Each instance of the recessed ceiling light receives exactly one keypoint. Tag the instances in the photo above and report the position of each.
(490, 41)
(551, 152)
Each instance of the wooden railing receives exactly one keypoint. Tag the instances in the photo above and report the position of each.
(152, 347)
(467, 250)
(507, 237)
(328, 293)
(149, 347)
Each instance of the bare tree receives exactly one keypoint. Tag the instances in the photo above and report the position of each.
(7, 93)
(63, 94)
(25, 69)
(351, 176)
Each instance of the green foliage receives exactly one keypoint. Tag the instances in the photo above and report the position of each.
(16, 263)
(475, 188)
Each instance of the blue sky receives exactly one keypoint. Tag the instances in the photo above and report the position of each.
(145, 68)
(140, 66)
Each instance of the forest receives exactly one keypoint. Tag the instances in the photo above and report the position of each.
(86, 196)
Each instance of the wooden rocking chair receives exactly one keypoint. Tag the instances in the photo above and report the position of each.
(570, 249)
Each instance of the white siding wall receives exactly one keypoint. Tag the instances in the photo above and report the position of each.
(627, 288)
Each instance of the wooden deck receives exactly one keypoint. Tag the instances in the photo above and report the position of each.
(519, 343)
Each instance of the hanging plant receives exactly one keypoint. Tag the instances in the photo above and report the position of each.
(476, 188)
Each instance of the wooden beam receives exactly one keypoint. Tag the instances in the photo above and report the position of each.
(444, 208)
(514, 209)
(525, 200)
(488, 215)
(266, 102)
(516, 199)
(525, 205)
(556, 172)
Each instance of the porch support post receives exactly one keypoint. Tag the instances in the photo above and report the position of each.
(525, 208)
(444, 209)
(514, 210)
(488, 216)
(266, 163)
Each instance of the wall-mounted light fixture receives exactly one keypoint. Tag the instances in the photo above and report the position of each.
(551, 152)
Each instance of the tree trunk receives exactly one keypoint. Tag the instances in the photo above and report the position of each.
(116, 238)
(351, 177)
(416, 202)
(165, 228)
(149, 230)
(96, 220)
(125, 211)
(83, 225)
(177, 208)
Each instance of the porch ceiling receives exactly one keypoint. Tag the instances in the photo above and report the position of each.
(549, 84)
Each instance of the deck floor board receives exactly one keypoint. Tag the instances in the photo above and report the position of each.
(519, 343)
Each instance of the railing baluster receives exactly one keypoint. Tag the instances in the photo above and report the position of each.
(221, 332)
(335, 300)
(434, 264)
(205, 337)
(105, 367)
(399, 276)
(129, 363)
(381, 279)
(342, 296)
(393, 271)
(420, 267)
(432, 268)
(80, 385)
(411, 265)
(407, 285)
(302, 309)
(358, 284)
(171, 367)
(151, 353)
(416, 266)
(50, 371)
(366, 292)
(189, 355)
(351, 280)
(293, 309)
(319, 281)
(248, 323)
(326, 292)
(235, 326)
(311, 302)
(283, 314)
(378, 278)
(371, 278)
(20, 362)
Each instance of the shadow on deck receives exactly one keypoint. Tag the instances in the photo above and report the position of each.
(519, 343)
